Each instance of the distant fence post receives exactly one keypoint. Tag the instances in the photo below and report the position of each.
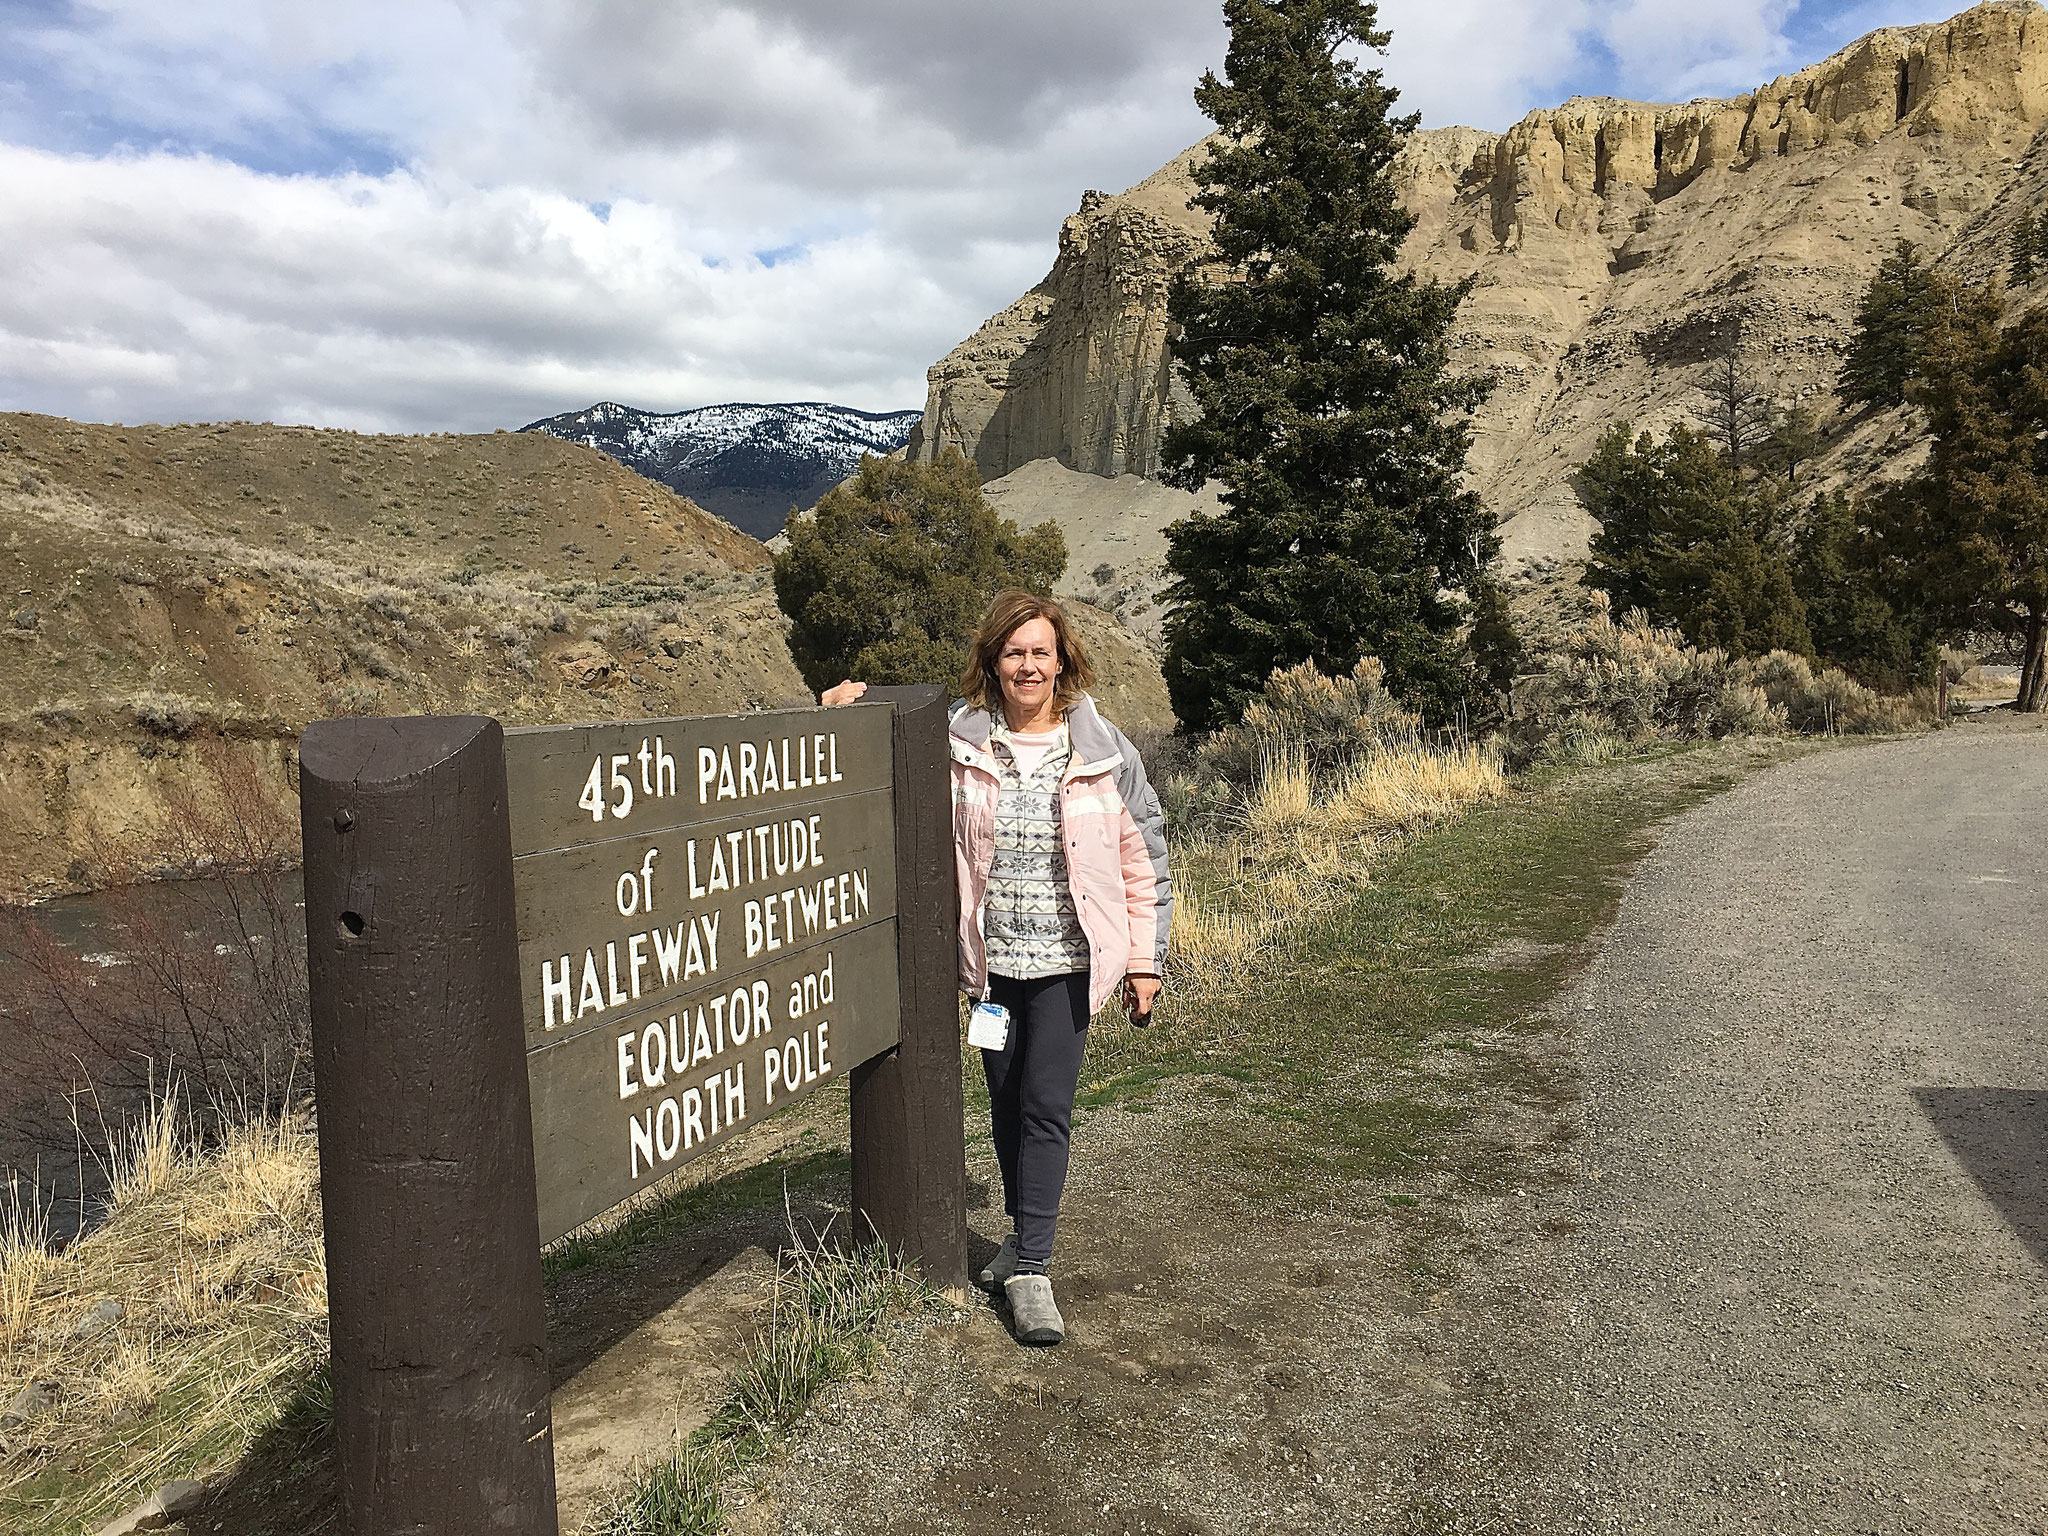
(909, 1154)
(439, 1336)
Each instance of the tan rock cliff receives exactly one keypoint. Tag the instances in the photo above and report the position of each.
(1076, 370)
(1612, 244)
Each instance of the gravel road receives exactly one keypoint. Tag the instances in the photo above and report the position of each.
(1808, 1289)
(1746, 1233)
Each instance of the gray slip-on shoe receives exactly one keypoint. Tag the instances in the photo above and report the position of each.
(1033, 1316)
(997, 1271)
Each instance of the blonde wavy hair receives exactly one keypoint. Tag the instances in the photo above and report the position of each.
(1007, 613)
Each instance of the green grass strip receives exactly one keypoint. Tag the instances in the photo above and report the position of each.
(1468, 929)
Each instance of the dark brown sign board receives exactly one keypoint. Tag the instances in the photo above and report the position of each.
(491, 1042)
(706, 918)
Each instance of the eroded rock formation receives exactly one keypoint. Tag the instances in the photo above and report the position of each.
(1613, 245)
(1076, 370)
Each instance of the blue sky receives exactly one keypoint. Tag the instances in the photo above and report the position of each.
(460, 214)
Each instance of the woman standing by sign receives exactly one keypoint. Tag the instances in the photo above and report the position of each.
(1065, 899)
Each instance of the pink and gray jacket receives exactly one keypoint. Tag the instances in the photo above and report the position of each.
(1116, 849)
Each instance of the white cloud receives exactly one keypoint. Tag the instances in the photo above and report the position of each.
(460, 213)
(1688, 50)
(1480, 62)
(137, 287)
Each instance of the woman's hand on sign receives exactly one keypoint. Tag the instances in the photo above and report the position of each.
(848, 692)
(1140, 992)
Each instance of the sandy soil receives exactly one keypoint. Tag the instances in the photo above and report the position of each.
(1115, 530)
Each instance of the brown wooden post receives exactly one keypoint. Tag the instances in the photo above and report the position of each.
(435, 1314)
(909, 1152)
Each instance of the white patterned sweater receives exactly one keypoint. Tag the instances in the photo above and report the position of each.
(1029, 918)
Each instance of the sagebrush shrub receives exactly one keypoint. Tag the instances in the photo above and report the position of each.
(1331, 722)
(1827, 701)
(1633, 681)
(368, 656)
(167, 714)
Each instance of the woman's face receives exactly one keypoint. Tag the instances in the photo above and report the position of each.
(1027, 667)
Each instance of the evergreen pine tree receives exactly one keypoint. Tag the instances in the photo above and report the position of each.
(1793, 438)
(2019, 264)
(1328, 410)
(1853, 622)
(1497, 648)
(1684, 541)
(1965, 541)
(1622, 486)
(1892, 321)
(886, 581)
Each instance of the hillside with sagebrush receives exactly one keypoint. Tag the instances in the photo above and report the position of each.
(174, 586)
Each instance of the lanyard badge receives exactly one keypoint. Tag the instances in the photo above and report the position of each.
(988, 1026)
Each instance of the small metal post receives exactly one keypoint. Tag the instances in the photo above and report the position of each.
(909, 1151)
(439, 1337)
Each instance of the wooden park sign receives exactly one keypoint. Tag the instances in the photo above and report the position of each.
(706, 915)
(550, 966)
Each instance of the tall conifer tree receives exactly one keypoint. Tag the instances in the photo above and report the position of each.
(1328, 410)
(1965, 541)
(2020, 257)
(1892, 323)
(1681, 538)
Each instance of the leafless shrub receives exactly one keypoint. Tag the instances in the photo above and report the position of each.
(637, 631)
(558, 621)
(203, 977)
(600, 634)
(167, 714)
(368, 656)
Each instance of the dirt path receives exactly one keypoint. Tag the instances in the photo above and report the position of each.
(1810, 1294)
(1743, 1231)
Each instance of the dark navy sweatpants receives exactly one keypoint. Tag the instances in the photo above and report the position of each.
(1031, 1083)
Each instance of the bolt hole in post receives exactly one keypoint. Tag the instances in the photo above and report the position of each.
(352, 924)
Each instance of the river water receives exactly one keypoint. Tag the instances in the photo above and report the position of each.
(221, 930)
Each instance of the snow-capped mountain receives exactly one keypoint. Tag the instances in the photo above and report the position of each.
(748, 463)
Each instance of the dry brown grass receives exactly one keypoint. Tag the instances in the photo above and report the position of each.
(24, 1257)
(1293, 842)
(214, 1258)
